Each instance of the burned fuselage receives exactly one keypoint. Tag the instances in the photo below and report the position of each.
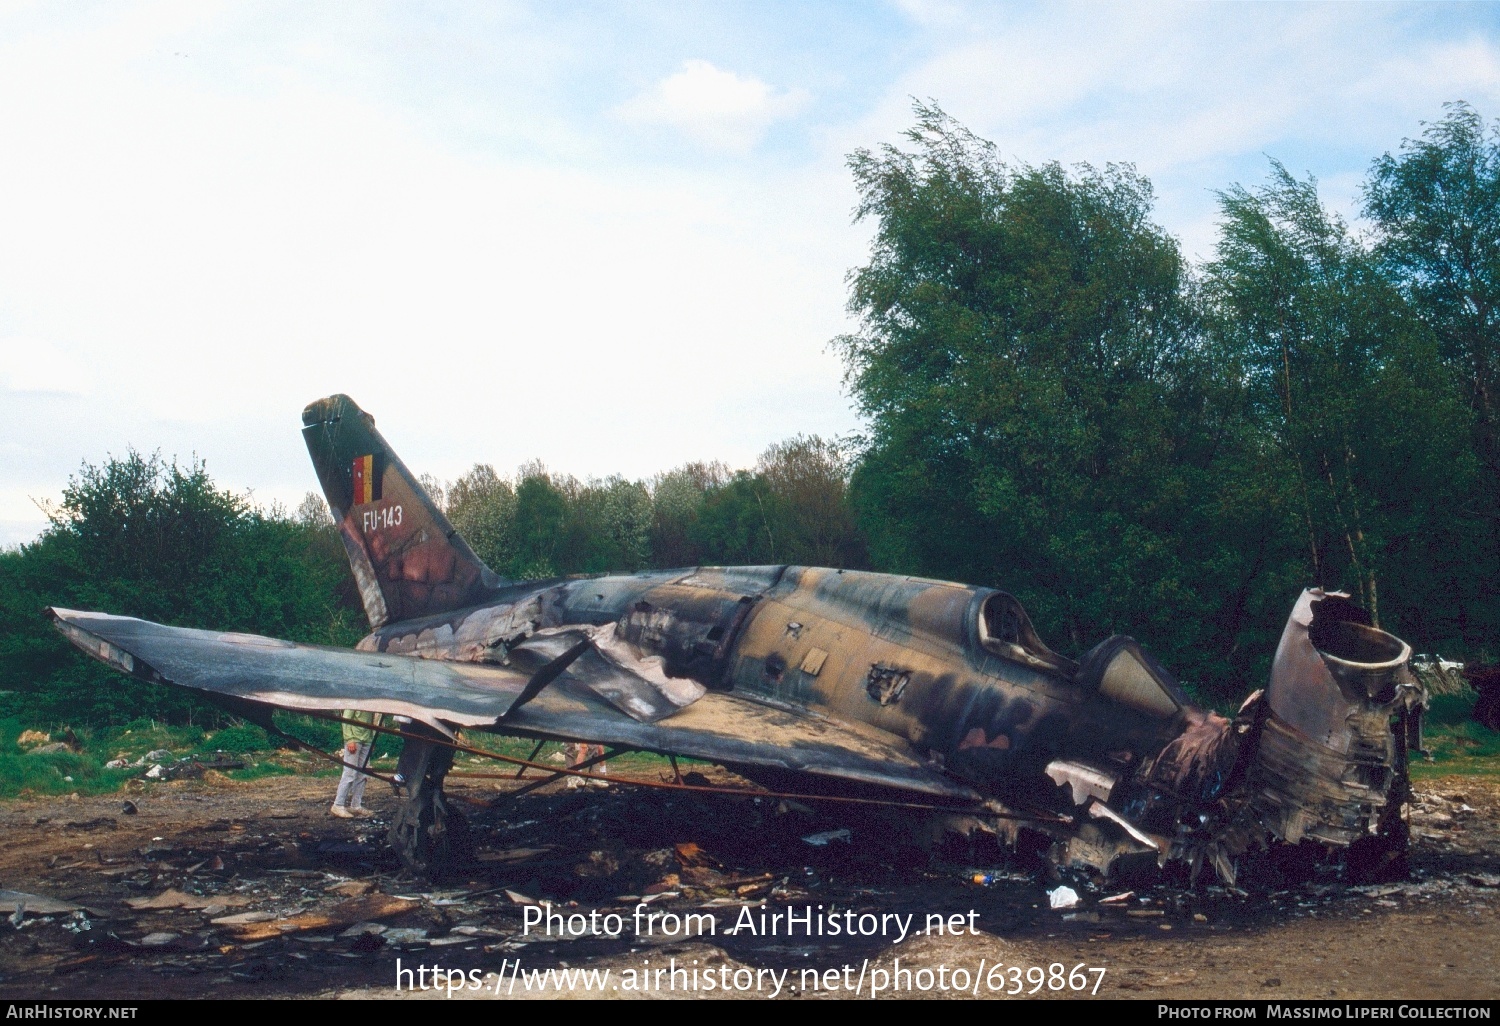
(849, 680)
(1108, 752)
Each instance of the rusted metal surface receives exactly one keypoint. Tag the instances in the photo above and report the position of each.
(854, 678)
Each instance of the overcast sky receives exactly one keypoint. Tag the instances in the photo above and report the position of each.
(610, 236)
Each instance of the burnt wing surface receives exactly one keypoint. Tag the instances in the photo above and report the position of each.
(879, 683)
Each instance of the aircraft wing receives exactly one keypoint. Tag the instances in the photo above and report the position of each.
(593, 699)
(286, 675)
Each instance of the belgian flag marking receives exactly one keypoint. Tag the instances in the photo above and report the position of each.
(366, 483)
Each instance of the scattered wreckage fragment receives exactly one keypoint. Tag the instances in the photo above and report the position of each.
(814, 680)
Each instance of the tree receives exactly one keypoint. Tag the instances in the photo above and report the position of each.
(482, 507)
(736, 525)
(541, 519)
(609, 526)
(677, 500)
(141, 537)
(1437, 209)
(1039, 395)
(806, 483)
(1341, 377)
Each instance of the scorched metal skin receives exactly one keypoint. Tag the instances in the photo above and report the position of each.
(852, 680)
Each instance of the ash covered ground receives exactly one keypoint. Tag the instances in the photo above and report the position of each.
(221, 889)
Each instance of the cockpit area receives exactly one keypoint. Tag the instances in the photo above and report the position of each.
(1117, 668)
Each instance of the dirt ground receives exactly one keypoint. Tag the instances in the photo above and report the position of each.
(319, 909)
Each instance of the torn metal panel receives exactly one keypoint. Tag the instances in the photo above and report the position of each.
(1085, 782)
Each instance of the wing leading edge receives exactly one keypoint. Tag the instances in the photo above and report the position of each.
(584, 703)
(278, 673)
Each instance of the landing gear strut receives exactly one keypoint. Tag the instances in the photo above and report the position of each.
(430, 836)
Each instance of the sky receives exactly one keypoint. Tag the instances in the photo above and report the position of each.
(610, 236)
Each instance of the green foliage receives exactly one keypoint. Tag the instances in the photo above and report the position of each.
(791, 509)
(482, 506)
(808, 517)
(141, 537)
(677, 499)
(1364, 436)
(48, 774)
(1039, 392)
(609, 527)
(1456, 740)
(1436, 209)
(324, 735)
(238, 740)
(1059, 407)
(541, 519)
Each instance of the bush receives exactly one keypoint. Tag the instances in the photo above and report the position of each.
(142, 537)
(245, 737)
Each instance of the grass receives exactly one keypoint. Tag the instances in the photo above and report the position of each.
(24, 773)
(1458, 746)
(27, 772)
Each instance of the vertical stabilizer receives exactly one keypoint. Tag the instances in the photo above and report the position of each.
(407, 559)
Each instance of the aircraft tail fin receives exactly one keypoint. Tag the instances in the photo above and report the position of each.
(407, 558)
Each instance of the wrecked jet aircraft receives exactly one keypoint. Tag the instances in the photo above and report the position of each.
(858, 683)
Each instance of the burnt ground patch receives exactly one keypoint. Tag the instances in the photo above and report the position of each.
(265, 895)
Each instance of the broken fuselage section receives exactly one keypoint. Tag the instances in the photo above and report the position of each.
(1106, 756)
(808, 679)
(865, 680)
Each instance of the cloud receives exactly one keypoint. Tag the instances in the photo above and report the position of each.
(1195, 96)
(188, 255)
(36, 365)
(716, 108)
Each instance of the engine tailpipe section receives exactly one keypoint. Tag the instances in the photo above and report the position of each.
(1342, 709)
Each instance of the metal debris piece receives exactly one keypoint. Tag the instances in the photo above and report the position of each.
(351, 888)
(820, 839)
(173, 898)
(243, 918)
(21, 903)
(405, 937)
(1064, 897)
(355, 910)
